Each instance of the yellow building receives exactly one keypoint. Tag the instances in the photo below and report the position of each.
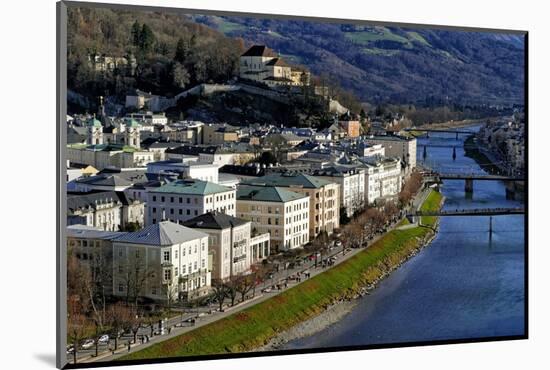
(324, 198)
(282, 213)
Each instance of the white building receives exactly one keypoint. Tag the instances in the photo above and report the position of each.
(193, 170)
(101, 156)
(94, 132)
(400, 147)
(182, 200)
(161, 261)
(150, 118)
(352, 185)
(228, 243)
(108, 210)
(383, 179)
(260, 64)
(369, 151)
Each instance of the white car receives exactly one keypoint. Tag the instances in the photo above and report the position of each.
(104, 339)
(88, 343)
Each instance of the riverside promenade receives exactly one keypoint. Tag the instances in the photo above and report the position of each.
(180, 325)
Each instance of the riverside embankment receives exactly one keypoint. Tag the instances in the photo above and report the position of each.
(256, 326)
(466, 285)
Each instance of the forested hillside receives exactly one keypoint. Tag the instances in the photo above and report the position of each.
(397, 65)
(171, 51)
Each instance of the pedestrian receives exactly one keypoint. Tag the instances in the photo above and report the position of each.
(128, 346)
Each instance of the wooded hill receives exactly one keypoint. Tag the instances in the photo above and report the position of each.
(171, 51)
(395, 65)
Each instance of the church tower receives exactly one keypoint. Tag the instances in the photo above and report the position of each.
(95, 132)
(131, 134)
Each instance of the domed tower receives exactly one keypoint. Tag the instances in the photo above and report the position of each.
(131, 134)
(95, 131)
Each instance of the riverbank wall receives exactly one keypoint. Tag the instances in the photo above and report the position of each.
(514, 189)
(262, 326)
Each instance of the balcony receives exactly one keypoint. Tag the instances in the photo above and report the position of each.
(239, 258)
(240, 243)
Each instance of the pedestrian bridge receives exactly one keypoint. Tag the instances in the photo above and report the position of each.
(480, 176)
(449, 131)
(471, 212)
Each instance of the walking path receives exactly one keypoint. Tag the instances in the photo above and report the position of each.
(179, 325)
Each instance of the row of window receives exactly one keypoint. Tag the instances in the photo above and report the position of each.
(195, 200)
(83, 243)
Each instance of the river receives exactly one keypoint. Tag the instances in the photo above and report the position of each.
(461, 286)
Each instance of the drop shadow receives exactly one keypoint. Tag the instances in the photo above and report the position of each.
(46, 358)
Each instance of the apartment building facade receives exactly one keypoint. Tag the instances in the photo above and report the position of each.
(182, 200)
(281, 213)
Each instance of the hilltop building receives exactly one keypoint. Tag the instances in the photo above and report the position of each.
(260, 64)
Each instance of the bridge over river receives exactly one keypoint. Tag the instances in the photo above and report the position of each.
(473, 212)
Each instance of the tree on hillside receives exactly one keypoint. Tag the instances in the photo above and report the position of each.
(180, 75)
(146, 39)
(136, 33)
(182, 51)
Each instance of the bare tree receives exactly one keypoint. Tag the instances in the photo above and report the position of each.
(77, 323)
(78, 302)
(135, 275)
(245, 284)
(119, 316)
(150, 320)
(320, 244)
(171, 295)
(135, 322)
(220, 291)
(231, 287)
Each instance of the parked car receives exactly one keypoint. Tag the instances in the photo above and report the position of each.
(70, 349)
(88, 343)
(338, 243)
(104, 339)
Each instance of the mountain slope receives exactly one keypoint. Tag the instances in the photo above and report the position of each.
(382, 64)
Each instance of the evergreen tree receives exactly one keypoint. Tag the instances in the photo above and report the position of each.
(146, 39)
(181, 51)
(136, 33)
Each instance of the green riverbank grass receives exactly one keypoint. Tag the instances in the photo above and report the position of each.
(432, 202)
(254, 326)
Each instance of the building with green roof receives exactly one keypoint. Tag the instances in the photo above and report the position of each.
(94, 122)
(289, 179)
(282, 213)
(324, 197)
(182, 200)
